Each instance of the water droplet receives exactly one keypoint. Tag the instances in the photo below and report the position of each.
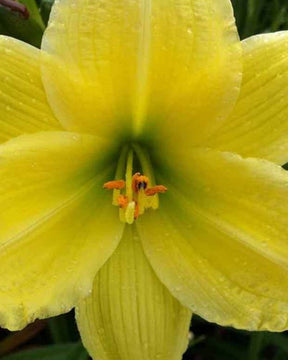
(51, 24)
(101, 331)
(6, 78)
(189, 30)
(190, 336)
(61, 26)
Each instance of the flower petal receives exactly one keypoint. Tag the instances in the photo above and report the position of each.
(258, 125)
(219, 240)
(130, 314)
(141, 64)
(23, 104)
(58, 226)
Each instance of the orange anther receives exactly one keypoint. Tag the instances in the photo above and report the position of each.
(116, 184)
(136, 213)
(139, 182)
(134, 201)
(155, 190)
(122, 201)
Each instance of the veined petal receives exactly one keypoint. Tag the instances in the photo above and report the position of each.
(130, 314)
(258, 125)
(141, 65)
(57, 224)
(23, 103)
(219, 241)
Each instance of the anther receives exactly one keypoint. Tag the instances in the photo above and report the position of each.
(137, 198)
(155, 190)
(122, 201)
(114, 185)
(139, 182)
(137, 211)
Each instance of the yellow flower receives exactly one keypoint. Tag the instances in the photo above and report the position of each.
(128, 86)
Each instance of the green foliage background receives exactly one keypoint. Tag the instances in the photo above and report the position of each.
(57, 338)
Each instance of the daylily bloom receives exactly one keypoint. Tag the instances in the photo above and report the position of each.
(143, 96)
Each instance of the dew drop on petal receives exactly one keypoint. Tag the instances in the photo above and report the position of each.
(101, 331)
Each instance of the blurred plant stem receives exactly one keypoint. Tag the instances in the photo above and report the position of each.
(16, 7)
(19, 338)
(256, 342)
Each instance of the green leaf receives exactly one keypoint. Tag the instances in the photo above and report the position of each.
(34, 12)
(45, 9)
(54, 352)
(29, 30)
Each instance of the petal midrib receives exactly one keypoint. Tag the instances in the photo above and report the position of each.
(224, 227)
(143, 60)
(65, 203)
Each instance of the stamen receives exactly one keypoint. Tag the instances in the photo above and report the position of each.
(134, 195)
(16, 7)
(130, 213)
(156, 190)
(139, 182)
(119, 173)
(122, 201)
(129, 171)
(114, 185)
(136, 212)
(138, 198)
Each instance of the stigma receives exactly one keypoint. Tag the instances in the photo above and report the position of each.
(134, 196)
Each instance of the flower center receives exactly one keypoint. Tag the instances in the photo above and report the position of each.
(137, 192)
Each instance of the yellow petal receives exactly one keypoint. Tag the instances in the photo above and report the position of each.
(23, 103)
(219, 239)
(140, 65)
(57, 224)
(258, 126)
(130, 314)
